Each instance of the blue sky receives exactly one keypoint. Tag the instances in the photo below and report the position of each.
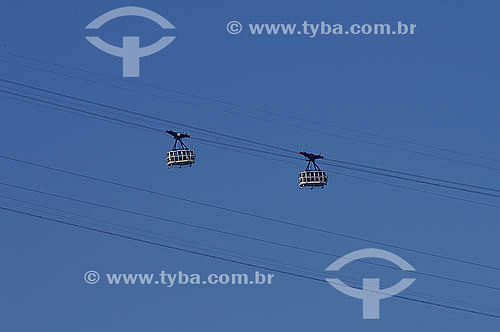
(437, 88)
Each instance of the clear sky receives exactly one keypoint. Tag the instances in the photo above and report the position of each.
(437, 88)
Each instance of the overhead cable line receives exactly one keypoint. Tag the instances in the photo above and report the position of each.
(229, 260)
(228, 146)
(59, 213)
(242, 149)
(140, 114)
(232, 234)
(268, 145)
(237, 106)
(151, 117)
(249, 214)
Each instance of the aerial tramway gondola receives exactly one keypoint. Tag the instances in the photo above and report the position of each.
(312, 176)
(182, 156)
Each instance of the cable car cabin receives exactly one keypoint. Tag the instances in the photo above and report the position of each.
(313, 178)
(180, 158)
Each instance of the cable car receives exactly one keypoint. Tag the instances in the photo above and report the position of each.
(182, 156)
(312, 176)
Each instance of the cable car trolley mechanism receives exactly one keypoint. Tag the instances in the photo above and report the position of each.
(179, 156)
(312, 176)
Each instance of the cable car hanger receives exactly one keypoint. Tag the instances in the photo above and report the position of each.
(178, 138)
(311, 158)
